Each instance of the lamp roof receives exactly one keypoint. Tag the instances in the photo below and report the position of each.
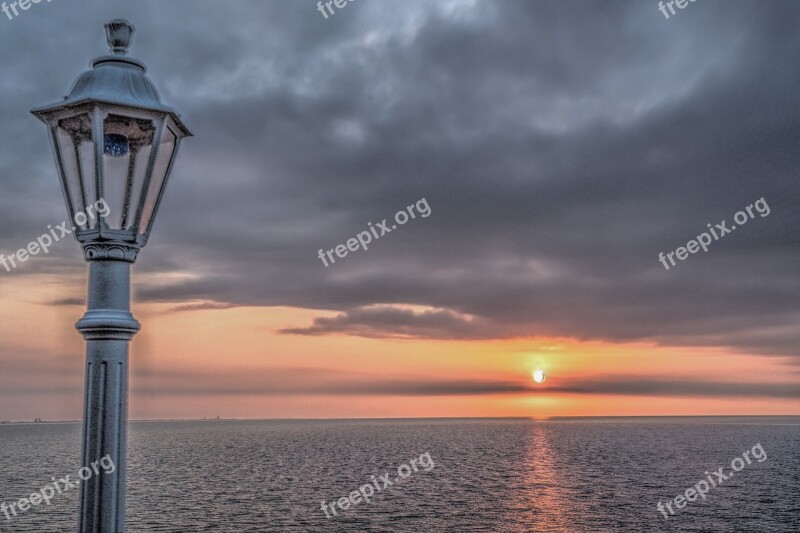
(115, 79)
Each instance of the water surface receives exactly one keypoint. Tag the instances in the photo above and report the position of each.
(490, 475)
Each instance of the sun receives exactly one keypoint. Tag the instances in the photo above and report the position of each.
(538, 376)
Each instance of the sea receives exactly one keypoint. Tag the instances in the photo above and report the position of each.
(445, 475)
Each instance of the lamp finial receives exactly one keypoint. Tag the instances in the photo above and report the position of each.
(119, 34)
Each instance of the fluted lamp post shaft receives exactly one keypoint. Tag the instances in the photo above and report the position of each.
(108, 326)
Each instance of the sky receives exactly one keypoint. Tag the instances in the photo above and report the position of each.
(559, 146)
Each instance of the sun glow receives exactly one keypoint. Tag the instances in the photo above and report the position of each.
(538, 376)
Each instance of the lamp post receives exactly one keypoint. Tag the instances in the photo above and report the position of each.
(114, 144)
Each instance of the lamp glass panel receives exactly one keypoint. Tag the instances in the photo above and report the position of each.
(76, 151)
(124, 140)
(163, 158)
(70, 169)
(142, 159)
(86, 156)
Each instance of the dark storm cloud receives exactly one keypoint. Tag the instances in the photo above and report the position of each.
(28, 378)
(426, 387)
(201, 306)
(331, 382)
(681, 388)
(560, 145)
(60, 376)
(68, 301)
(298, 382)
(393, 322)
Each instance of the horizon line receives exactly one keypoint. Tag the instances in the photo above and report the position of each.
(532, 418)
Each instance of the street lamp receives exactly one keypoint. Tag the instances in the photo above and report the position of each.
(114, 142)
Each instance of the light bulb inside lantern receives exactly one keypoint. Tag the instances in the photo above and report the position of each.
(115, 145)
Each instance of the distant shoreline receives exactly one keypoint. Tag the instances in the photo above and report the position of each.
(443, 418)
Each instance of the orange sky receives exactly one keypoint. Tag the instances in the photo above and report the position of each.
(233, 363)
